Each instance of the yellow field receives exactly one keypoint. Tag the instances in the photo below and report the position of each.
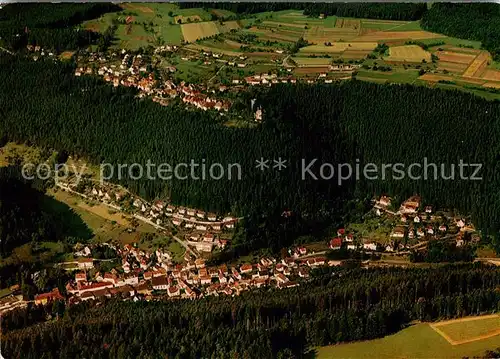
(338, 47)
(409, 53)
(186, 19)
(476, 67)
(195, 31)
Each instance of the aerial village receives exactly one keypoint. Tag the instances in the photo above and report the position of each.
(411, 227)
(153, 276)
(129, 69)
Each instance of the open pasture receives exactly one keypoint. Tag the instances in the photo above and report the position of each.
(408, 53)
(195, 31)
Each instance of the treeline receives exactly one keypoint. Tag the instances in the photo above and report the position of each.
(337, 306)
(467, 21)
(386, 11)
(51, 26)
(334, 124)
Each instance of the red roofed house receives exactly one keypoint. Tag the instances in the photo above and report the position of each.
(173, 291)
(79, 277)
(336, 243)
(246, 268)
(48, 297)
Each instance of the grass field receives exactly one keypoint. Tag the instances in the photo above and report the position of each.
(308, 61)
(417, 341)
(470, 329)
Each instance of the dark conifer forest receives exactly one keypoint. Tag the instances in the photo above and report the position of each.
(335, 306)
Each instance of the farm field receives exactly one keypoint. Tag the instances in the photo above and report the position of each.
(408, 53)
(468, 329)
(417, 341)
(308, 61)
(339, 47)
(195, 31)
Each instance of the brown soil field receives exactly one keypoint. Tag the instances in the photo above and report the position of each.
(448, 56)
(412, 35)
(461, 49)
(478, 65)
(452, 66)
(492, 75)
(144, 9)
(339, 23)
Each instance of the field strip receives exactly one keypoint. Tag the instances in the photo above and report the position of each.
(477, 64)
(436, 328)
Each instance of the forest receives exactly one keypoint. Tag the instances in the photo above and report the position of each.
(386, 11)
(337, 305)
(330, 123)
(467, 21)
(52, 26)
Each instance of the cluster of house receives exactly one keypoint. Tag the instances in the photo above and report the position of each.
(204, 228)
(194, 97)
(419, 223)
(134, 71)
(38, 51)
(146, 276)
(349, 241)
